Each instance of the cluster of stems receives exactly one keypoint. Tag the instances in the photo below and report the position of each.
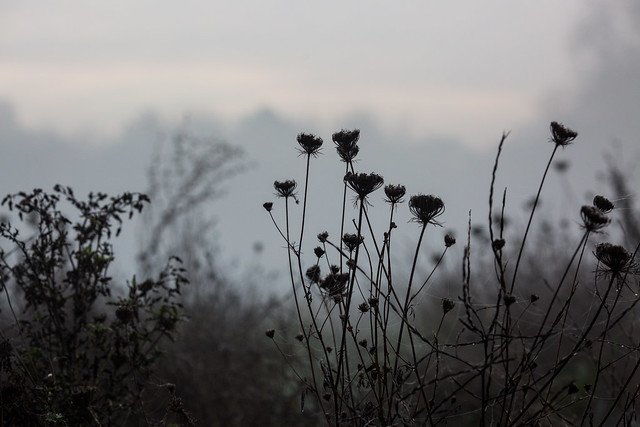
(514, 349)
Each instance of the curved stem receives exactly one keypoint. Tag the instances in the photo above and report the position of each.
(533, 211)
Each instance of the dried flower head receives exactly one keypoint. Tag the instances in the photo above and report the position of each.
(346, 144)
(335, 284)
(309, 143)
(286, 188)
(322, 237)
(447, 305)
(270, 333)
(426, 208)
(346, 138)
(449, 240)
(603, 204)
(364, 307)
(614, 257)
(593, 219)
(351, 241)
(562, 135)
(318, 251)
(509, 299)
(498, 244)
(363, 183)
(313, 274)
(348, 154)
(268, 206)
(394, 193)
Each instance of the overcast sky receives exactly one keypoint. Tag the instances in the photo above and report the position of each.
(455, 68)
(431, 84)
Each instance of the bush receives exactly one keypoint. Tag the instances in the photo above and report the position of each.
(82, 348)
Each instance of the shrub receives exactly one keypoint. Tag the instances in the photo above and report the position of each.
(82, 348)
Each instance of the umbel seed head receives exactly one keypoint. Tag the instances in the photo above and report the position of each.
(309, 143)
(285, 188)
(322, 237)
(363, 183)
(593, 219)
(346, 138)
(318, 251)
(394, 193)
(614, 257)
(313, 273)
(449, 240)
(447, 305)
(562, 135)
(351, 241)
(346, 144)
(603, 204)
(426, 208)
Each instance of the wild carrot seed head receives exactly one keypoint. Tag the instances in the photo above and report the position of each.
(562, 135)
(346, 144)
(603, 204)
(593, 219)
(285, 188)
(309, 143)
(426, 208)
(394, 193)
(614, 257)
(363, 183)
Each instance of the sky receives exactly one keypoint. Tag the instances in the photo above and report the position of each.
(89, 89)
(460, 68)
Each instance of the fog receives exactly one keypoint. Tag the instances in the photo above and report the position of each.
(432, 125)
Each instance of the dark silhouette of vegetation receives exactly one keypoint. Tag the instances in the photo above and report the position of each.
(77, 348)
(506, 351)
(369, 336)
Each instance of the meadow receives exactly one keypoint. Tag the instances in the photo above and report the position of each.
(531, 326)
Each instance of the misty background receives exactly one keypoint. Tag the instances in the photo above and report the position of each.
(88, 94)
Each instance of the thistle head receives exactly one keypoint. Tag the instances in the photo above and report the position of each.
(562, 135)
(309, 144)
(426, 208)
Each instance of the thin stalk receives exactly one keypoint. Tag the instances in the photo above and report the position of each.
(533, 211)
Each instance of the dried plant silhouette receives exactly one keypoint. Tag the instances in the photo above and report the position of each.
(77, 348)
(507, 351)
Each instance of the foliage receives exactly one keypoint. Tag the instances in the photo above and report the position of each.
(82, 348)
